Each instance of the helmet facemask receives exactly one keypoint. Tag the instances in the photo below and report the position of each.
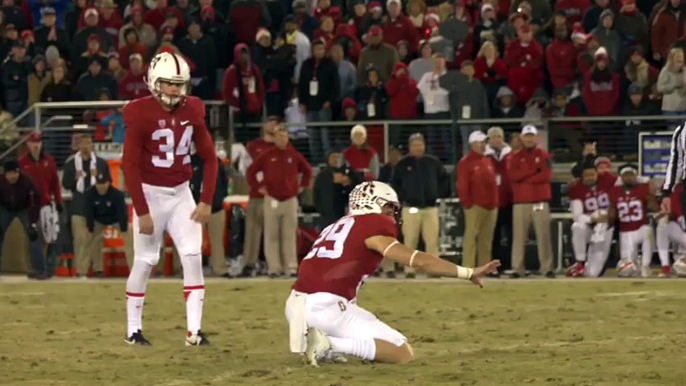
(167, 99)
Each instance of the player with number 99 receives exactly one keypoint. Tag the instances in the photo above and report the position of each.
(324, 318)
(157, 168)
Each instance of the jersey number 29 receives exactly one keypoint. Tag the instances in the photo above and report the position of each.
(337, 233)
(171, 149)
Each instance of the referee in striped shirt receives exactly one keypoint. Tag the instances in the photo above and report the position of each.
(676, 169)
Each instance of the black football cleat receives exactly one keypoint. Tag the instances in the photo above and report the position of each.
(198, 339)
(137, 338)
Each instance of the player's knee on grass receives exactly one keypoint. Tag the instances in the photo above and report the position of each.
(388, 352)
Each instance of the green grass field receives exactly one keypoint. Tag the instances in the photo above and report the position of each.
(527, 332)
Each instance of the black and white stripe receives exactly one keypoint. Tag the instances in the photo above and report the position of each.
(676, 167)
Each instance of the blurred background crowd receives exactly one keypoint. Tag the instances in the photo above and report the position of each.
(310, 70)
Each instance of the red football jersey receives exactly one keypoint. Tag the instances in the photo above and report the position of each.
(594, 198)
(157, 147)
(631, 205)
(339, 261)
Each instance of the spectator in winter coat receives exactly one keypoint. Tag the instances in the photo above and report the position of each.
(276, 65)
(280, 166)
(530, 172)
(540, 9)
(200, 49)
(402, 94)
(134, 85)
(381, 55)
(564, 135)
(371, 97)
(524, 57)
(537, 106)
(477, 188)
(81, 39)
(636, 105)
(505, 104)
(487, 28)
(243, 87)
(306, 23)
(15, 71)
(423, 64)
(559, 19)
(58, 89)
(303, 48)
(158, 15)
(49, 33)
(14, 14)
(399, 27)
(608, 37)
(324, 8)
(667, 27)
(131, 46)
(573, 9)
(592, 15)
(347, 73)
(360, 156)
(670, 83)
(638, 71)
(91, 83)
(498, 150)
(373, 17)
(37, 80)
(601, 87)
(325, 31)
(318, 90)
(490, 69)
(147, 34)
(110, 19)
(561, 58)
(632, 25)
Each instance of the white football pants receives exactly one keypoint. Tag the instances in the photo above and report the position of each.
(670, 232)
(586, 248)
(629, 242)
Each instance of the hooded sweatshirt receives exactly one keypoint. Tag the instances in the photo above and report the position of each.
(242, 86)
(402, 93)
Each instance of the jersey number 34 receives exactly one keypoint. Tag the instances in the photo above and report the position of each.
(335, 234)
(170, 149)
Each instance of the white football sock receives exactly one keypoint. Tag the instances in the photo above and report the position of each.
(193, 291)
(662, 241)
(579, 232)
(361, 348)
(647, 252)
(136, 285)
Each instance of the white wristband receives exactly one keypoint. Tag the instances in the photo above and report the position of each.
(412, 257)
(464, 272)
(389, 247)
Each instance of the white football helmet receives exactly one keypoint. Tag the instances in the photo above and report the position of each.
(371, 196)
(627, 268)
(170, 68)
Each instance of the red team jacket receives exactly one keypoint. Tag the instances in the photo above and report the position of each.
(157, 147)
(44, 175)
(476, 181)
(530, 175)
(341, 271)
(280, 169)
(631, 206)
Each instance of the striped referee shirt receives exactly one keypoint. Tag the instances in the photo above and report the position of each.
(676, 169)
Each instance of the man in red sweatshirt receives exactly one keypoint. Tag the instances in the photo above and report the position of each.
(478, 191)
(399, 27)
(530, 173)
(279, 168)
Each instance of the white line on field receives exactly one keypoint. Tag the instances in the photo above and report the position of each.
(15, 294)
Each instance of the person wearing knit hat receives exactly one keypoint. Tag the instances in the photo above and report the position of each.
(359, 155)
(608, 36)
(578, 33)
(263, 33)
(601, 86)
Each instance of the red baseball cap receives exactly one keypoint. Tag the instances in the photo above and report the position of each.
(35, 136)
(374, 30)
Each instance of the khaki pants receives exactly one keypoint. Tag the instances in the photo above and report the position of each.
(215, 228)
(424, 221)
(522, 216)
(79, 231)
(93, 248)
(280, 231)
(254, 222)
(478, 235)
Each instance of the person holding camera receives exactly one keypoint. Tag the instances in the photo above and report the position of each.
(20, 198)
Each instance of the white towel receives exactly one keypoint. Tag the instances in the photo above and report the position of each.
(298, 323)
(50, 222)
(78, 165)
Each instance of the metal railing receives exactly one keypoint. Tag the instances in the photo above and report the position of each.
(616, 135)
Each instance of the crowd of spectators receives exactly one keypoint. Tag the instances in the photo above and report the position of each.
(326, 60)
